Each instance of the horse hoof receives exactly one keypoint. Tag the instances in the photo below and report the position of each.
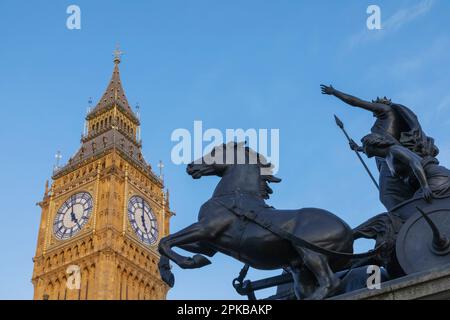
(168, 277)
(196, 261)
(324, 292)
(316, 296)
(200, 261)
(164, 270)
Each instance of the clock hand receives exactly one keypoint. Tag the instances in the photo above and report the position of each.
(74, 218)
(142, 217)
(143, 222)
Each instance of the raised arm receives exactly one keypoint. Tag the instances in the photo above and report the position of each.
(412, 160)
(354, 101)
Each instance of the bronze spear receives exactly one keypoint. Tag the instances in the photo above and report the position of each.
(340, 124)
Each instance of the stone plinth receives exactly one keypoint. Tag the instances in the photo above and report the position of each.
(429, 285)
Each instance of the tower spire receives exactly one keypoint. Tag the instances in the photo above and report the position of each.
(114, 93)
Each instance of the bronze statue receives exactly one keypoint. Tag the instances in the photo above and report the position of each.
(313, 246)
(411, 180)
(311, 243)
(400, 123)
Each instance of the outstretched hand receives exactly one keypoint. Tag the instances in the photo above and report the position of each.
(327, 89)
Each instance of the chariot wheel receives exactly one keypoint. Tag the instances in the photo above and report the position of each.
(423, 241)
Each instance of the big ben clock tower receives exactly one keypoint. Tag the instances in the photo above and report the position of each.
(104, 213)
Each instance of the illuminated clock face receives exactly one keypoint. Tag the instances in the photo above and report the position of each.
(143, 220)
(72, 215)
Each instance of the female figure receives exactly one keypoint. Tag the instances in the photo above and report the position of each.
(423, 174)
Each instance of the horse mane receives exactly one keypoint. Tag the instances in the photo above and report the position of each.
(266, 175)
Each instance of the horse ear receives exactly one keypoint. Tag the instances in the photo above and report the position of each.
(263, 161)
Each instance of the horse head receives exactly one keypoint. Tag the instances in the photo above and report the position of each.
(248, 166)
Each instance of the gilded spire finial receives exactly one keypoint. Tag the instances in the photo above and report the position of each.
(117, 54)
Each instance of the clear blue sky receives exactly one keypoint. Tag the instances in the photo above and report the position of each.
(232, 64)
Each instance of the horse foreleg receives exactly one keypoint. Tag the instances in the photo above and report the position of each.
(189, 235)
(198, 247)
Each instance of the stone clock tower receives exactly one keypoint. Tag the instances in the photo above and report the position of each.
(104, 213)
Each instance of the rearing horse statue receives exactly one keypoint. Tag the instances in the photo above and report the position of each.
(237, 222)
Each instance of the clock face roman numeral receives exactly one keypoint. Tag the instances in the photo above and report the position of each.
(73, 214)
(142, 220)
